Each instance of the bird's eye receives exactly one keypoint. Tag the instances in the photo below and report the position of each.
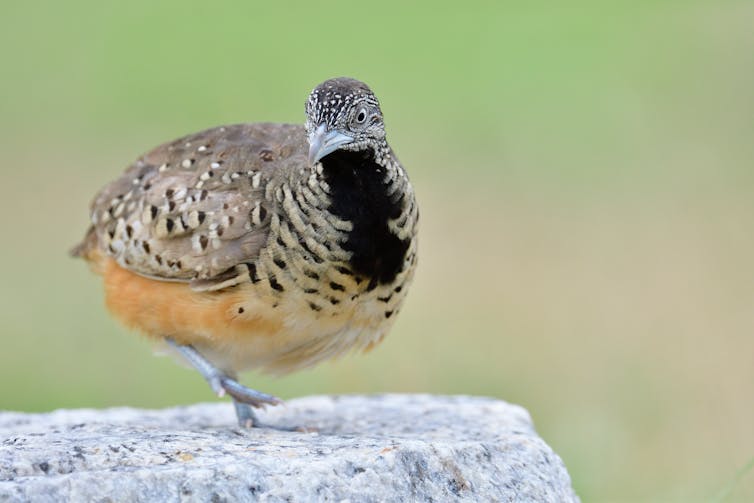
(360, 118)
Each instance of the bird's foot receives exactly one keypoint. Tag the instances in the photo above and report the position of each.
(247, 420)
(242, 394)
(221, 383)
(246, 416)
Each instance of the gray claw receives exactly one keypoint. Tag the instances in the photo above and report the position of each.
(243, 394)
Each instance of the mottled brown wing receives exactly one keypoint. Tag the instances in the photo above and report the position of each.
(195, 210)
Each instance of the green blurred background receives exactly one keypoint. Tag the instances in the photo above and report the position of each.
(585, 174)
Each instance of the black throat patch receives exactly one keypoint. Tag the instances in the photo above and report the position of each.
(359, 195)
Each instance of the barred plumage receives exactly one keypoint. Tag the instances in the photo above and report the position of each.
(285, 244)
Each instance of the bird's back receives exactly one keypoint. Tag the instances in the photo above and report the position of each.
(193, 208)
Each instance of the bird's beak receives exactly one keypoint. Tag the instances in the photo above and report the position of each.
(323, 142)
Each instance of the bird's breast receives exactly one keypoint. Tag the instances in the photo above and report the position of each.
(362, 193)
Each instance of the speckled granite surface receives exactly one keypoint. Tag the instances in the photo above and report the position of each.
(360, 448)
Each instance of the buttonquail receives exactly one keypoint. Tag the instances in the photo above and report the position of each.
(264, 246)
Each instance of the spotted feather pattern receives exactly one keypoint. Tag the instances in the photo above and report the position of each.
(194, 208)
(292, 262)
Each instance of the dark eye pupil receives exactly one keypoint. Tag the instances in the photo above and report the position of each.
(361, 117)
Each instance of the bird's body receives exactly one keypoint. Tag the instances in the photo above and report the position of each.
(239, 243)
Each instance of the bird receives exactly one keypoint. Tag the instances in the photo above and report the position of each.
(264, 246)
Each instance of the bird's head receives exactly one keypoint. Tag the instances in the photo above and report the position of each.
(342, 114)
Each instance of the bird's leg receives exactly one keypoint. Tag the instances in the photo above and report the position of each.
(244, 414)
(221, 382)
(211, 374)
